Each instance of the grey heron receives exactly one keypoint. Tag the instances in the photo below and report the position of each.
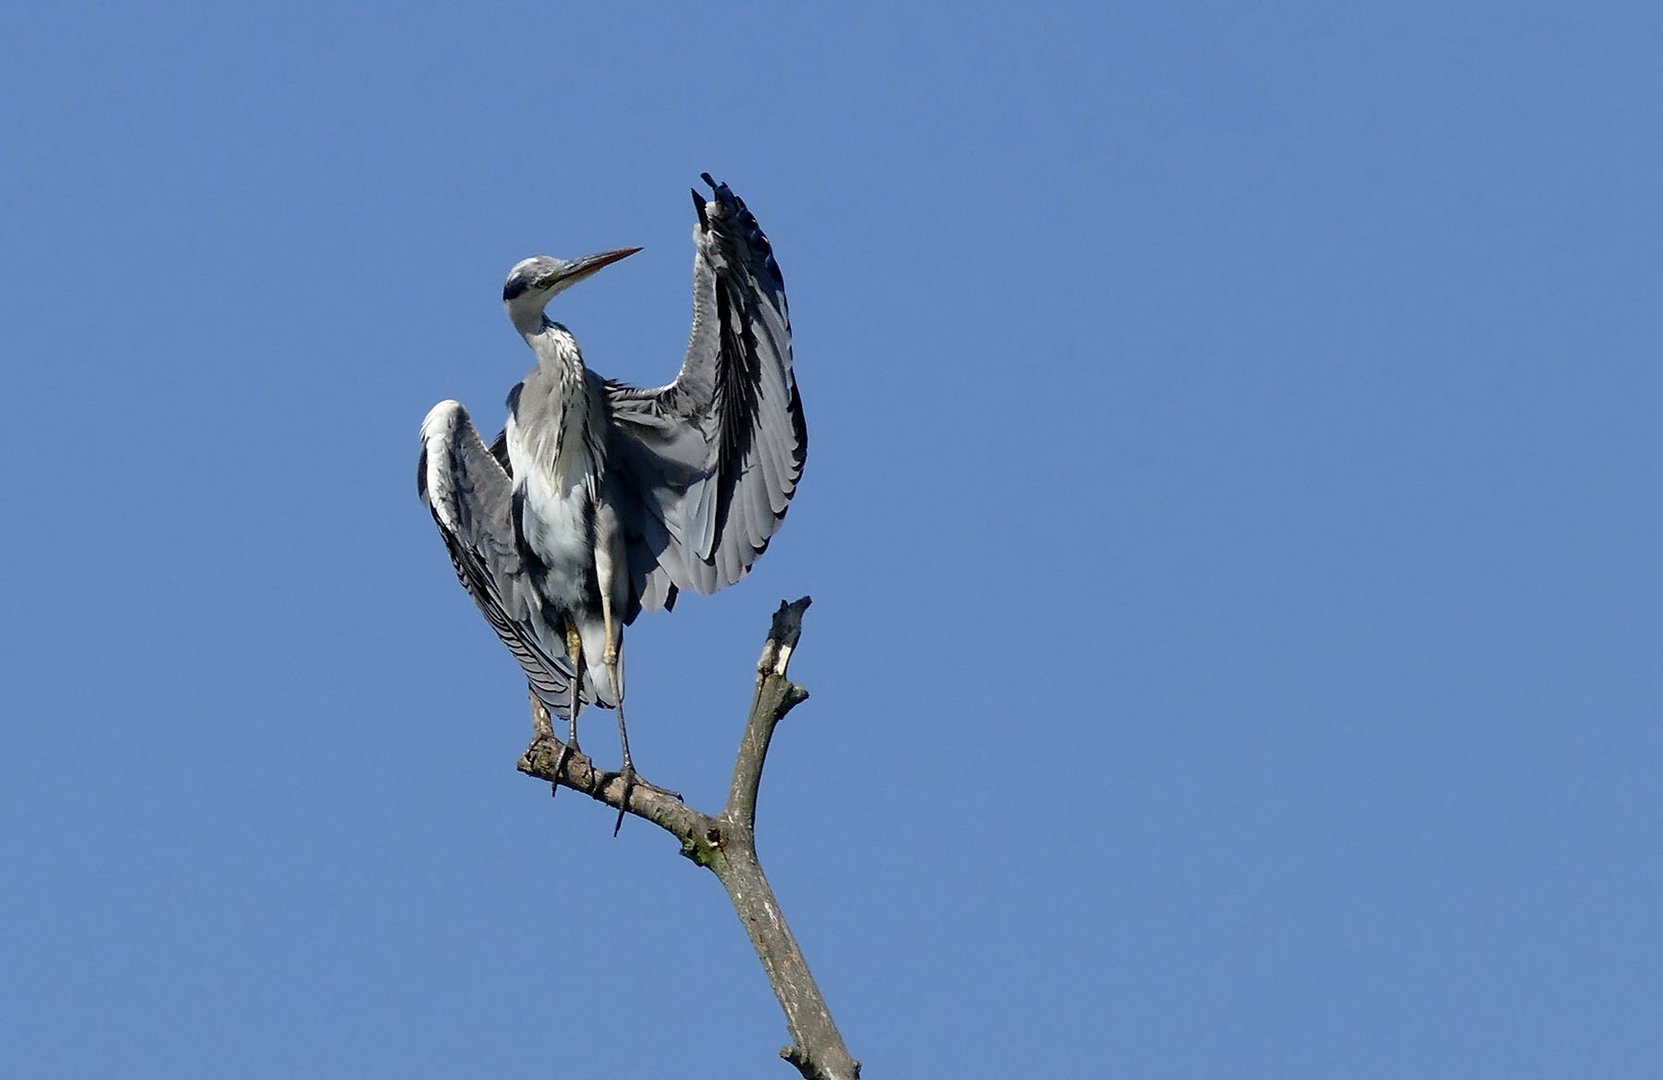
(599, 500)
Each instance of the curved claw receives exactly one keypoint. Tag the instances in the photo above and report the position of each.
(560, 768)
(633, 780)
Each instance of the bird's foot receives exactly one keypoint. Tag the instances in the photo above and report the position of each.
(560, 767)
(632, 781)
(567, 749)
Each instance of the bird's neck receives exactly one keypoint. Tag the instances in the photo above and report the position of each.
(564, 443)
(555, 347)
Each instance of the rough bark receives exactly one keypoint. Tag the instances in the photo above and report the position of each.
(725, 844)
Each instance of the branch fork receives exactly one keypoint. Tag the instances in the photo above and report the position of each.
(725, 844)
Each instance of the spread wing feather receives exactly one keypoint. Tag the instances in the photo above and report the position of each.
(714, 457)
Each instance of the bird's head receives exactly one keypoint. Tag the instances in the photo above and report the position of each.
(534, 282)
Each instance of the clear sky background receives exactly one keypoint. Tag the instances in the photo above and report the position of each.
(1231, 514)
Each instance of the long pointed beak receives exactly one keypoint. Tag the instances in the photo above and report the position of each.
(578, 269)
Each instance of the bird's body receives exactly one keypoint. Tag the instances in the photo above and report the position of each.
(601, 499)
(556, 441)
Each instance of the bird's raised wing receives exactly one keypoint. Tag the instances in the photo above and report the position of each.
(471, 499)
(714, 457)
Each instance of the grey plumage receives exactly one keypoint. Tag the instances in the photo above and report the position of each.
(471, 499)
(601, 499)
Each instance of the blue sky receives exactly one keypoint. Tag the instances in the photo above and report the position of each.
(1231, 514)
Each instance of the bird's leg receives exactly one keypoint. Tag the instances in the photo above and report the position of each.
(631, 778)
(574, 650)
(543, 726)
(610, 658)
(628, 772)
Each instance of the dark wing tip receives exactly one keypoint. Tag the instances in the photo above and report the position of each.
(721, 194)
(421, 474)
(733, 214)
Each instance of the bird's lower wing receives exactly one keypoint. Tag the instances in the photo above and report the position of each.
(470, 496)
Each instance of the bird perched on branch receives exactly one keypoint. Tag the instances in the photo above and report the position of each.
(599, 499)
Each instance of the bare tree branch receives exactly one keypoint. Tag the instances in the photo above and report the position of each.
(775, 696)
(725, 844)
